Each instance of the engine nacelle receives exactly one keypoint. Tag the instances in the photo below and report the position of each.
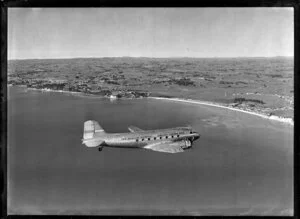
(185, 144)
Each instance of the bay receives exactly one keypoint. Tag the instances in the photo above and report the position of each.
(242, 164)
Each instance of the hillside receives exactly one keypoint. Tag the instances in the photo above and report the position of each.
(262, 85)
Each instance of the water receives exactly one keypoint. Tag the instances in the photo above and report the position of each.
(242, 164)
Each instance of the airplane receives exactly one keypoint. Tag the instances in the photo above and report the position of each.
(173, 140)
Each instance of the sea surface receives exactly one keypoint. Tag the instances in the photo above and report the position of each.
(241, 165)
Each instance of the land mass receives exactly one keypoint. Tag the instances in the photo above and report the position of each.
(261, 85)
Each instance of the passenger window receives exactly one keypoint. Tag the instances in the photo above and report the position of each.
(166, 136)
(142, 139)
(154, 138)
(160, 137)
(172, 136)
(178, 136)
(191, 132)
(148, 139)
(136, 140)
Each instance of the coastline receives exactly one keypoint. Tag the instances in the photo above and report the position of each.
(272, 117)
(50, 90)
(199, 102)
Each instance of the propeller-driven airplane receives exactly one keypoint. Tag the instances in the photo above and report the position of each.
(173, 140)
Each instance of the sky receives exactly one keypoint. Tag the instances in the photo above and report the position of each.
(40, 33)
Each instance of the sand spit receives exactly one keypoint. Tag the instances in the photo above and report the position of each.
(277, 118)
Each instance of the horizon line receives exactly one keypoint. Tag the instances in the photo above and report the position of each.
(169, 57)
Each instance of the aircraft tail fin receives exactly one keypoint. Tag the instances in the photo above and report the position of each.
(90, 128)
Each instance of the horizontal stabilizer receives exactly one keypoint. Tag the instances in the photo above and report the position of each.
(134, 129)
(92, 142)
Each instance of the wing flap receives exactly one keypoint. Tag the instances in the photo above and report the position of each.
(165, 147)
(134, 129)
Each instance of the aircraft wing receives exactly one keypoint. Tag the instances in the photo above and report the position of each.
(134, 129)
(167, 147)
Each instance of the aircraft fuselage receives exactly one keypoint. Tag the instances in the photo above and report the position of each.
(143, 138)
(171, 140)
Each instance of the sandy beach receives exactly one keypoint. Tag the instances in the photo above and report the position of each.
(276, 118)
(272, 117)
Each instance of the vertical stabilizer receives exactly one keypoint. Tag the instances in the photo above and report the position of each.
(90, 128)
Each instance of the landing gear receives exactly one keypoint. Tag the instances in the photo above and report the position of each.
(100, 149)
